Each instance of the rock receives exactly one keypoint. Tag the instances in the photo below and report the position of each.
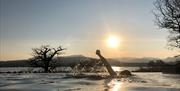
(125, 73)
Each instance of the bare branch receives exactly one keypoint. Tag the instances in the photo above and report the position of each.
(167, 15)
(42, 57)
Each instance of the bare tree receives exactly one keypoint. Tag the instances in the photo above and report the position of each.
(106, 64)
(167, 15)
(42, 57)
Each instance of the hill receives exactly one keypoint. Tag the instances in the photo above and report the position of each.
(75, 59)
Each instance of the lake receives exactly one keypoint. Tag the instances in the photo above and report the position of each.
(154, 81)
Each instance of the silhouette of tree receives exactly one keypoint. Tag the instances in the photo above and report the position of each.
(151, 63)
(167, 15)
(106, 63)
(42, 57)
(156, 63)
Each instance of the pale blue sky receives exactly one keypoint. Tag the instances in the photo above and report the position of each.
(81, 26)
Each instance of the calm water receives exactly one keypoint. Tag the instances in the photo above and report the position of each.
(59, 82)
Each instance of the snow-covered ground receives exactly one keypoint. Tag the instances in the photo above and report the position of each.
(59, 82)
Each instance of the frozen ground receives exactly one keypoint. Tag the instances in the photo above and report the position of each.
(60, 82)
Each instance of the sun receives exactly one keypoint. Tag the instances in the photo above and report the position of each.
(113, 41)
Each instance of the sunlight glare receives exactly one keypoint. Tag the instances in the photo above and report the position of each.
(116, 85)
(113, 41)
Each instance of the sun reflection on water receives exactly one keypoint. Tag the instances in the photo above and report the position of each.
(115, 85)
(115, 68)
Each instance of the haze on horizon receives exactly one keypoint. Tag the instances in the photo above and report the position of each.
(81, 26)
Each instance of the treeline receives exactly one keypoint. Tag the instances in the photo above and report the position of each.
(60, 61)
(70, 61)
(15, 63)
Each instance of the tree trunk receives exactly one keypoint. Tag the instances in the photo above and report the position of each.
(108, 66)
(46, 68)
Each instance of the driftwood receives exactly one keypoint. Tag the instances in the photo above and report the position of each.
(106, 64)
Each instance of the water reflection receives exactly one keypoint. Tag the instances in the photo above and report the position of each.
(114, 85)
(118, 69)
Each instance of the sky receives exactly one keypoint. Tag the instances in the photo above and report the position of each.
(81, 26)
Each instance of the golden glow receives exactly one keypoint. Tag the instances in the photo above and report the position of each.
(113, 41)
(116, 85)
(116, 68)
